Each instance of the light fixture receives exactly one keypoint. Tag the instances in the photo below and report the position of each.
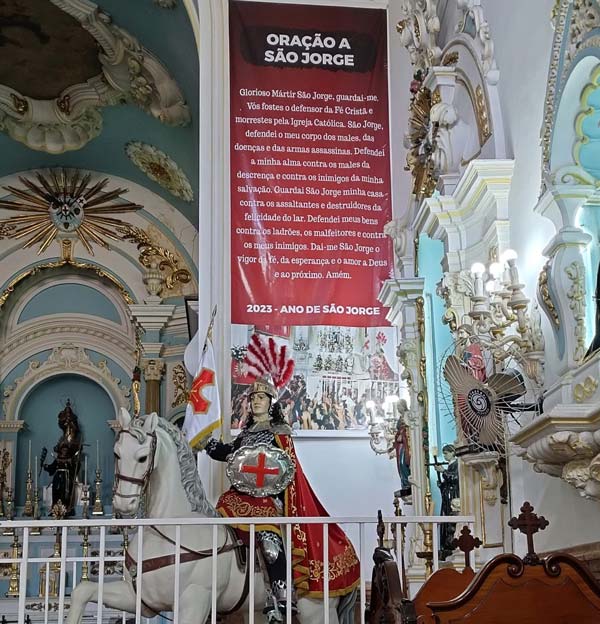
(478, 268)
(508, 255)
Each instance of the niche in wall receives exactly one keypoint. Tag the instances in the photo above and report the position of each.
(40, 409)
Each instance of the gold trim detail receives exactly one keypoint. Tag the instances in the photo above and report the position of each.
(544, 295)
(62, 203)
(68, 261)
(179, 378)
(422, 138)
(450, 58)
(153, 254)
(483, 119)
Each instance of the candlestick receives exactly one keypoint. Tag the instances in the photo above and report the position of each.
(28, 508)
(98, 508)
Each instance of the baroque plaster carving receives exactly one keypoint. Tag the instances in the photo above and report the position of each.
(130, 73)
(153, 369)
(439, 141)
(418, 31)
(486, 464)
(161, 168)
(473, 21)
(545, 297)
(68, 358)
(576, 295)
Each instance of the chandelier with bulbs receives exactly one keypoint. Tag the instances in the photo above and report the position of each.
(500, 311)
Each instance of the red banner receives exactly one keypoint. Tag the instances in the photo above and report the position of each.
(310, 174)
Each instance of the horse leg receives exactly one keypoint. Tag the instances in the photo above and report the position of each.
(194, 605)
(80, 596)
(117, 595)
(311, 611)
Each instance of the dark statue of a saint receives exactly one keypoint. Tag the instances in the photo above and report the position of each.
(67, 460)
(450, 493)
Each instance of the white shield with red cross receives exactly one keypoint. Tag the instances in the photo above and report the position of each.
(260, 470)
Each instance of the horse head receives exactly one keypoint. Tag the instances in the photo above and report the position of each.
(135, 458)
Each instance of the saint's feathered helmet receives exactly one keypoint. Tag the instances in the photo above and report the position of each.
(269, 366)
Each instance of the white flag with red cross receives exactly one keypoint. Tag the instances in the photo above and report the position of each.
(203, 413)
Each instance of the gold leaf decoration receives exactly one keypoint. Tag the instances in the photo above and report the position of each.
(151, 252)
(61, 202)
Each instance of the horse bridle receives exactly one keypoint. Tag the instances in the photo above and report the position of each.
(145, 478)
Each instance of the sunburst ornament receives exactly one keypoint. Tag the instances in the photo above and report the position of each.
(61, 203)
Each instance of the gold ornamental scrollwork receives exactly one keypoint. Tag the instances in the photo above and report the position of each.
(483, 119)
(181, 392)
(422, 136)
(545, 297)
(151, 252)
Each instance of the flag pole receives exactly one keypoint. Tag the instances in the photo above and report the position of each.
(209, 332)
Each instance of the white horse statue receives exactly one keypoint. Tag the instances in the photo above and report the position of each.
(153, 461)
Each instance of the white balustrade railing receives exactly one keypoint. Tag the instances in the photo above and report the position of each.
(37, 607)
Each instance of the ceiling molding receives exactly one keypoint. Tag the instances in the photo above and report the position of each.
(130, 74)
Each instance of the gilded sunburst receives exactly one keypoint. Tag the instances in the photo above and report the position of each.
(62, 202)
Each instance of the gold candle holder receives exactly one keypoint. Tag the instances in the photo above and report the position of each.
(85, 503)
(98, 509)
(13, 583)
(5, 461)
(36, 512)
(28, 508)
(10, 511)
(85, 548)
(125, 547)
(427, 528)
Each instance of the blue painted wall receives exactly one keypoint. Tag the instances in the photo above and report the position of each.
(438, 341)
(71, 299)
(40, 409)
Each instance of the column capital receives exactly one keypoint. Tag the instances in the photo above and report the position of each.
(154, 369)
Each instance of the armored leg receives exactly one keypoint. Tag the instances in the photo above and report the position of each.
(273, 553)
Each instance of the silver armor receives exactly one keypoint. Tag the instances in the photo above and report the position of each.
(271, 545)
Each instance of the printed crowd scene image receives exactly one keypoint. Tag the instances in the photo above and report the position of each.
(342, 376)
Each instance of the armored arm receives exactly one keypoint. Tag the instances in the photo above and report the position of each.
(219, 450)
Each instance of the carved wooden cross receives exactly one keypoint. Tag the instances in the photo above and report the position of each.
(529, 523)
(467, 543)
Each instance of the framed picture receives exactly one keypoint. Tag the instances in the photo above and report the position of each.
(191, 312)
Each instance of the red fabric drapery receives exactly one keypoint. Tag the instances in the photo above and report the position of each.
(307, 539)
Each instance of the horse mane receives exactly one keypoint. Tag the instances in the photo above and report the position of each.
(189, 473)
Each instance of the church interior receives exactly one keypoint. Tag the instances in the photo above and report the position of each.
(472, 402)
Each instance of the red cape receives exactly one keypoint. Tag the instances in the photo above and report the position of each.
(307, 547)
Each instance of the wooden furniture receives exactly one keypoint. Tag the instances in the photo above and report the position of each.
(446, 583)
(389, 600)
(558, 589)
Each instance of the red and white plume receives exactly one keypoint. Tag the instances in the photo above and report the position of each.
(267, 360)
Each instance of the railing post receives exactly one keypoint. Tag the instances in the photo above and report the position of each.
(23, 576)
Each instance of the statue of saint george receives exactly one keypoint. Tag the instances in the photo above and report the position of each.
(67, 460)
